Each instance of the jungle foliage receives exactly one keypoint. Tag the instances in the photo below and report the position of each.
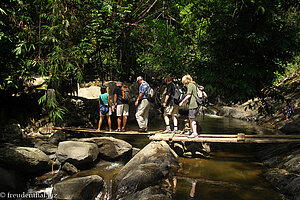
(232, 47)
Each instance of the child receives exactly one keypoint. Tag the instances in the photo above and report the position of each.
(104, 100)
(288, 109)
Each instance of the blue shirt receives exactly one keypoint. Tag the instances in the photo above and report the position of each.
(144, 87)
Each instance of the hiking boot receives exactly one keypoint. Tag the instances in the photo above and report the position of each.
(193, 135)
(142, 130)
(167, 131)
(188, 132)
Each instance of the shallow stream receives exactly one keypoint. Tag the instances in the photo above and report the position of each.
(231, 172)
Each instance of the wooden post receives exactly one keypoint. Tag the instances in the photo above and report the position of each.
(241, 137)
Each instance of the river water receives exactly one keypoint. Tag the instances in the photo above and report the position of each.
(230, 173)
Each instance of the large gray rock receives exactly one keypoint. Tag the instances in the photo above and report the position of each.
(150, 193)
(24, 159)
(46, 147)
(143, 176)
(84, 188)
(239, 112)
(80, 154)
(149, 167)
(293, 187)
(290, 126)
(112, 149)
(293, 165)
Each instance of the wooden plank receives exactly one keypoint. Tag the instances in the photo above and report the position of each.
(201, 138)
(273, 136)
(270, 141)
(86, 130)
(246, 136)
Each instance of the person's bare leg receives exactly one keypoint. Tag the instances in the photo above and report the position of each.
(175, 122)
(193, 189)
(109, 122)
(124, 121)
(119, 120)
(100, 122)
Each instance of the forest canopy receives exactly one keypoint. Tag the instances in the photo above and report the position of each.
(234, 48)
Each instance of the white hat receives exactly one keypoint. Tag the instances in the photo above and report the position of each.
(139, 78)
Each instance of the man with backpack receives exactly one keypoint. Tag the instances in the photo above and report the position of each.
(142, 104)
(121, 104)
(171, 108)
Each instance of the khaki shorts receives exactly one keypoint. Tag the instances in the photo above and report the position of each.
(193, 113)
(172, 110)
(122, 109)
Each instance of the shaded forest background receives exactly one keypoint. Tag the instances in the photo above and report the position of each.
(234, 48)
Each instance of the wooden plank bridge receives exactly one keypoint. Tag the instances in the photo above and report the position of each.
(224, 138)
(202, 138)
(89, 130)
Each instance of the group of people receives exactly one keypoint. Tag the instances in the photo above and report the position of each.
(171, 108)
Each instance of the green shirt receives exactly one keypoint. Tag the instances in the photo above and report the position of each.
(192, 90)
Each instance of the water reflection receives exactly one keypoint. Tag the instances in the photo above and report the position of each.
(217, 124)
(222, 179)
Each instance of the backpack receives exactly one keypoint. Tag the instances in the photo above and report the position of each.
(125, 94)
(103, 108)
(201, 97)
(178, 94)
(150, 94)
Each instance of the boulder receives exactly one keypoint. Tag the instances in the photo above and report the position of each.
(69, 168)
(58, 176)
(149, 167)
(25, 159)
(290, 126)
(141, 177)
(112, 149)
(46, 147)
(12, 130)
(83, 188)
(80, 154)
(280, 178)
(293, 165)
(293, 187)
(57, 137)
(150, 193)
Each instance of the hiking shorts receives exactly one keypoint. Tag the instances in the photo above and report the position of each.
(122, 109)
(109, 112)
(172, 110)
(193, 113)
